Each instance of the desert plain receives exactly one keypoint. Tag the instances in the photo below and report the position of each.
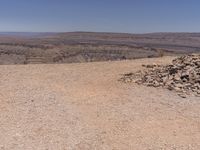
(83, 106)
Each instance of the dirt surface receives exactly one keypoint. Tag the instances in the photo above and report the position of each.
(85, 107)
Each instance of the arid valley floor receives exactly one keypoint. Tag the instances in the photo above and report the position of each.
(84, 107)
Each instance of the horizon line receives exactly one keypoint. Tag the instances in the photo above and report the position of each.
(38, 32)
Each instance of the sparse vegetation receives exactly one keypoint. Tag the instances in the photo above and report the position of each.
(160, 52)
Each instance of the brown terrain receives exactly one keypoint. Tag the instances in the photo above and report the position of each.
(25, 48)
(85, 107)
(50, 104)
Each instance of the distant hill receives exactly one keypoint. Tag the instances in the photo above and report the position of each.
(68, 47)
(25, 34)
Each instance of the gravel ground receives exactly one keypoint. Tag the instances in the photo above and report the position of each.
(84, 107)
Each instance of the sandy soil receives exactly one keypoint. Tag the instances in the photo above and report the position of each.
(84, 107)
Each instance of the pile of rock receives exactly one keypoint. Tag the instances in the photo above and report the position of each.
(182, 76)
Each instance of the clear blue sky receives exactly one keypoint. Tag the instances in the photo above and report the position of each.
(134, 16)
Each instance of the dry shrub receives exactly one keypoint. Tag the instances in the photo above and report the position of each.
(160, 52)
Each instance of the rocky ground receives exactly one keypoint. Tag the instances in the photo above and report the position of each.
(182, 75)
(84, 107)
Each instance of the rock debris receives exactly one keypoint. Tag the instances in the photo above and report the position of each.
(182, 76)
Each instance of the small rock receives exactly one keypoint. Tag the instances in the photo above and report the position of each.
(182, 95)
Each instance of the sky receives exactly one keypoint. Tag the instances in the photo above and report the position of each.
(130, 16)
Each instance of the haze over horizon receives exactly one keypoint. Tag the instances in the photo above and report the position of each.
(129, 16)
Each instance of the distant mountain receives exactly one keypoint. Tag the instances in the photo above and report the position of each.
(173, 42)
(26, 34)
